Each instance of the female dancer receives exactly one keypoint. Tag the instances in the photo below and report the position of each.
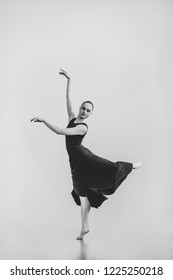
(93, 177)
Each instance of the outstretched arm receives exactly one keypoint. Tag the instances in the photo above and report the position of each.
(77, 130)
(70, 112)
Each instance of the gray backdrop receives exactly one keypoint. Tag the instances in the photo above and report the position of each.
(119, 55)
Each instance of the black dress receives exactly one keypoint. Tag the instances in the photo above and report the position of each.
(93, 176)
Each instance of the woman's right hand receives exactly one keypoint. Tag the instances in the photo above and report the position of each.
(37, 120)
(64, 73)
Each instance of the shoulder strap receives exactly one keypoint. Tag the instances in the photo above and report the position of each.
(72, 119)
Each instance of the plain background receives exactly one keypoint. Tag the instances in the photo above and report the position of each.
(119, 55)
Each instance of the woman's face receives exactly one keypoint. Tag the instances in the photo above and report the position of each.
(85, 110)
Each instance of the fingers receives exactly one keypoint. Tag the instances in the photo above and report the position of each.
(35, 120)
(63, 71)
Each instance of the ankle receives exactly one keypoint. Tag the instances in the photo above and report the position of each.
(84, 228)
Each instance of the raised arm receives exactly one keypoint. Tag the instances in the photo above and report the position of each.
(70, 111)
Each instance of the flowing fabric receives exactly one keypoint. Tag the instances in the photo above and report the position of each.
(93, 176)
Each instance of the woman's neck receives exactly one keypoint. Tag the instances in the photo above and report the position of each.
(79, 120)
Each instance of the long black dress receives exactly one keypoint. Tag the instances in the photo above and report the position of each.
(93, 176)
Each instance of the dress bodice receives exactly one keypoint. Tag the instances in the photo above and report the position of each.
(74, 140)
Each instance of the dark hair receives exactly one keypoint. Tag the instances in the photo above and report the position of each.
(89, 103)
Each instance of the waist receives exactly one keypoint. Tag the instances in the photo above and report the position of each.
(73, 147)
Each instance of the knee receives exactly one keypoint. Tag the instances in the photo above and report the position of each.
(84, 200)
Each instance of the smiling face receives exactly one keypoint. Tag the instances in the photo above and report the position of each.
(85, 110)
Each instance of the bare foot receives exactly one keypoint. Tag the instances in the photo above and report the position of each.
(83, 232)
(137, 165)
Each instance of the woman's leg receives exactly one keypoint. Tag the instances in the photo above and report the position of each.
(85, 209)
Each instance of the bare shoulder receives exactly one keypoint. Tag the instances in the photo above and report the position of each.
(81, 128)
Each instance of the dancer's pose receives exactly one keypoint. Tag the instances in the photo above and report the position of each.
(93, 177)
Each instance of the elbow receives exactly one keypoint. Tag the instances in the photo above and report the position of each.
(60, 131)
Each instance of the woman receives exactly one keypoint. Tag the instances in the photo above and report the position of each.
(93, 177)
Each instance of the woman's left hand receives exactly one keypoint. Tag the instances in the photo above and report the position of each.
(37, 120)
(64, 73)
